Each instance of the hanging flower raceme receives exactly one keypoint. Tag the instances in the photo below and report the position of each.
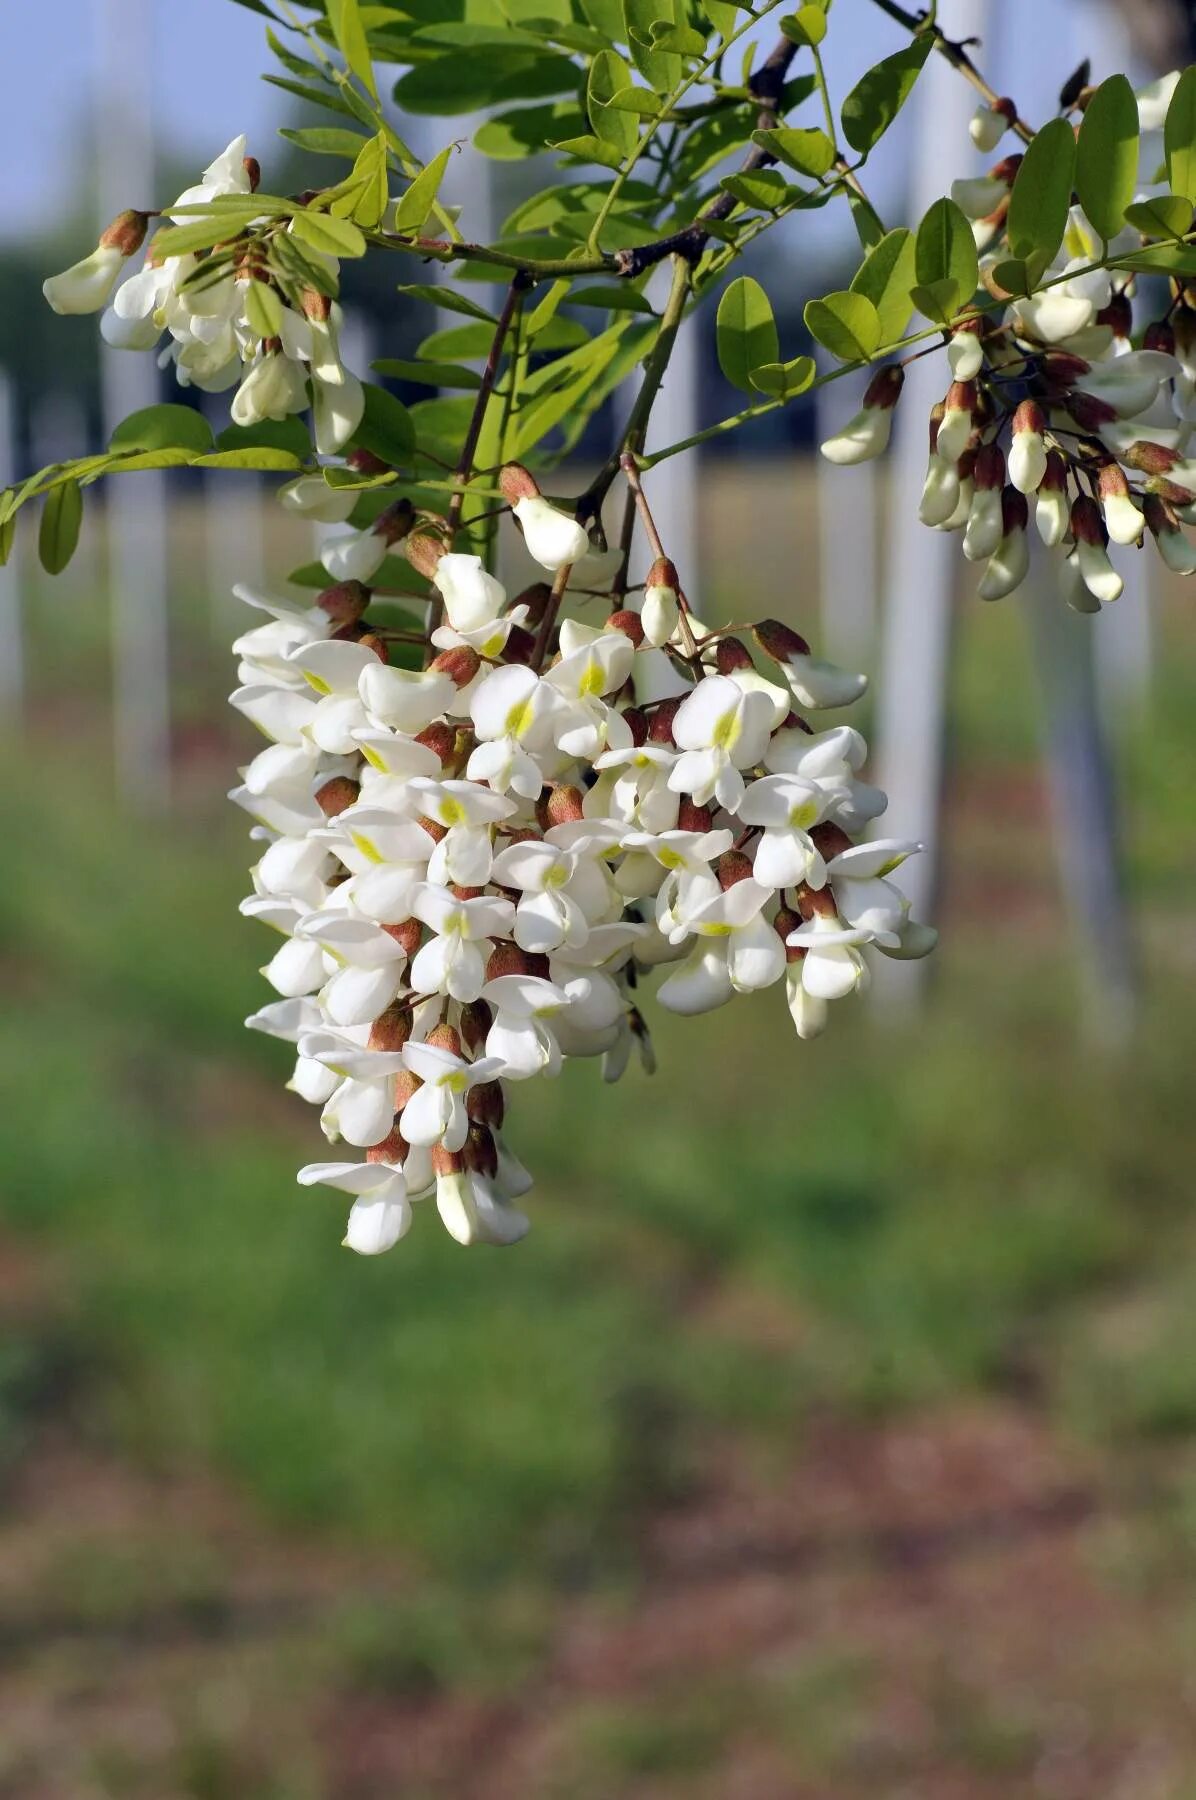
(478, 865)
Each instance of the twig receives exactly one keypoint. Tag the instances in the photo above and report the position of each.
(632, 475)
(921, 24)
(553, 607)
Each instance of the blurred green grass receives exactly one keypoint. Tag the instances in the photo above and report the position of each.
(765, 1235)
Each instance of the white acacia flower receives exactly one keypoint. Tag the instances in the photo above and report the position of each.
(583, 722)
(381, 1211)
(469, 812)
(313, 498)
(720, 730)
(372, 964)
(863, 898)
(831, 760)
(565, 887)
(833, 965)
(334, 669)
(633, 786)
(473, 598)
(737, 951)
(354, 555)
(787, 807)
(519, 1037)
(436, 1113)
(513, 713)
(553, 538)
(274, 388)
(474, 1209)
(406, 700)
(453, 962)
(362, 1108)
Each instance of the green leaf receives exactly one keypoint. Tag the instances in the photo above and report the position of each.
(811, 152)
(1011, 276)
(1166, 215)
(784, 381)
(62, 515)
(263, 309)
(763, 188)
(615, 299)
(334, 237)
(512, 136)
(1041, 196)
(745, 332)
(369, 181)
(661, 68)
(181, 240)
(1160, 259)
(807, 26)
(640, 101)
(260, 458)
(163, 427)
(447, 299)
(8, 532)
(886, 277)
(608, 75)
(879, 95)
(846, 323)
(325, 140)
(349, 32)
(946, 251)
(289, 434)
(462, 84)
(1107, 155)
(939, 300)
(386, 427)
(418, 201)
(1179, 137)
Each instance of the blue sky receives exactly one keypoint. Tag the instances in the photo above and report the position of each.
(206, 58)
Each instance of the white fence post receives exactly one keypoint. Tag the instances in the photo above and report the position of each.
(136, 504)
(847, 502)
(12, 644)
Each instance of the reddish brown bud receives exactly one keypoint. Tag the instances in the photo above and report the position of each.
(1015, 512)
(1170, 491)
(936, 419)
(443, 1037)
(629, 623)
(732, 866)
(1062, 368)
(392, 1149)
(535, 598)
(1152, 459)
(1030, 417)
(884, 389)
(407, 1083)
(779, 641)
(816, 902)
(691, 817)
(1006, 170)
(461, 663)
(1054, 479)
(391, 1030)
(830, 839)
(364, 462)
(516, 483)
(664, 574)
(395, 523)
(407, 934)
(1118, 316)
(126, 232)
(253, 170)
(316, 306)
(731, 655)
(1087, 526)
(485, 1103)
(1159, 335)
(336, 795)
(447, 1162)
(637, 724)
(785, 922)
(460, 892)
(562, 806)
(1160, 518)
(476, 1020)
(1111, 482)
(990, 467)
(660, 731)
(481, 1155)
(424, 549)
(1089, 413)
(962, 396)
(442, 739)
(369, 640)
(345, 602)
(520, 646)
(507, 958)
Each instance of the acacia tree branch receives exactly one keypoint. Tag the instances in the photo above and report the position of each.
(922, 25)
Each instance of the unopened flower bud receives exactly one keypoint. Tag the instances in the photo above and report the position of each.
(1092, 559)
(1123, 520)
(460, 663)
(1118, 315)
(424, 548)
(364, 462)
(476, 1020)
(253, 172)
(660, 731)
(1027, 451)
(336, 795)
(481, 1153)
(957, 422)
(554, 539)
(408, 934)
(985, 528)
(867, 434)
(391, 1030)
(1089, 412)
(1159, 335)
(731, 655)
(1173, 545)
(965, 352)
(86, 286)
(629, 623)
(443, 1037)
(691, 817)
(485, 1102)
(990, 123)
(1051, 511)
(563, 806)
(1010, 562)
(732, 867)
(1151, 459)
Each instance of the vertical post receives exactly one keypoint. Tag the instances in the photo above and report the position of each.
(675, 502)
(916, 630)
(12, 647)
(1083, 804)
(136, 504)
(847, 508)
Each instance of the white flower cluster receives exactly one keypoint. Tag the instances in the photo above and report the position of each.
(475, 864)
(215, 339)
(1052, 406)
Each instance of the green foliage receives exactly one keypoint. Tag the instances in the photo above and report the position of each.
(1179, 137)
(945, 262)
(878, 96)
(1106, 171)
(1041, 194)
(847, 323)
(886, 278)
(62, 517)
(746, 332)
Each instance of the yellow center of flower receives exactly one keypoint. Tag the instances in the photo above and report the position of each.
(804, 814)
(519, 719)
(726, 731)
(451, 811)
